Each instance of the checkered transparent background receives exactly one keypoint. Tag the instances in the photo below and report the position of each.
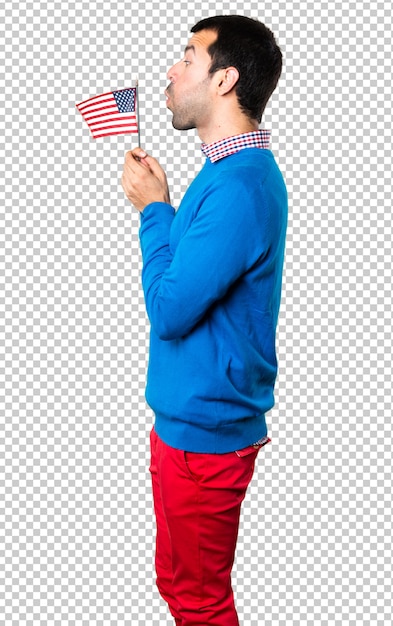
(76, 539)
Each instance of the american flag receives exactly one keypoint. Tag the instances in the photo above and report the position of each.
(111, 113)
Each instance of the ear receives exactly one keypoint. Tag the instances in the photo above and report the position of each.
(227, 79)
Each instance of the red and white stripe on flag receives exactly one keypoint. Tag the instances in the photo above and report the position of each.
(111, 113)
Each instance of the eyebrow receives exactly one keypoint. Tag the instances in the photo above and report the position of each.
(187, 48)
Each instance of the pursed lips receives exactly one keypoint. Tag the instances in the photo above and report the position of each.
(167, 94)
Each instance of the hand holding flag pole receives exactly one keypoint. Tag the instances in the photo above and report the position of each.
(117, 113)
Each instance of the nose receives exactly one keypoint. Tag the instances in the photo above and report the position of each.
(172, 73)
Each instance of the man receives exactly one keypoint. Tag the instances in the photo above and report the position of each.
(212, 277)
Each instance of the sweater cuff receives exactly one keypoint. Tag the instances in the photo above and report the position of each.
(155, 225)
(153, 208)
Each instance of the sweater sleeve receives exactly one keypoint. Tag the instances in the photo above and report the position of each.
(229, 233)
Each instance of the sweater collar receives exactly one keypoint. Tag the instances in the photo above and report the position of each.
(224, 147)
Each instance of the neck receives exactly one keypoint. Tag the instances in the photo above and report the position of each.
(226, 128)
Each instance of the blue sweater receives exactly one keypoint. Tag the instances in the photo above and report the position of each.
(212, 276)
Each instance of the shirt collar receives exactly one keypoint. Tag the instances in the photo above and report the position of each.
(224, 147)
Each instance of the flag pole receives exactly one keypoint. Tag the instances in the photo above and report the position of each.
(137, 110)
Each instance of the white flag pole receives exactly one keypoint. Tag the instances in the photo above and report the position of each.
(137, 110)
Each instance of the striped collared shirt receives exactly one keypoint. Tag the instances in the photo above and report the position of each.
(220, 149)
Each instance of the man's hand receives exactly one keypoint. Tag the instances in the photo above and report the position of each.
(144, 181)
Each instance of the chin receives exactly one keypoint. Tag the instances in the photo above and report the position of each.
(179, 125)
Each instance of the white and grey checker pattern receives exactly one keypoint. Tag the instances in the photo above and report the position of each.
(77, 528)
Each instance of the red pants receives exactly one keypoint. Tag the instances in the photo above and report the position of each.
(197, 500)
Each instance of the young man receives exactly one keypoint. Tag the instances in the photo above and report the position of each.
(211, 276)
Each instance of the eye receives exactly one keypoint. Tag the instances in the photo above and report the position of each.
(186, 61)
